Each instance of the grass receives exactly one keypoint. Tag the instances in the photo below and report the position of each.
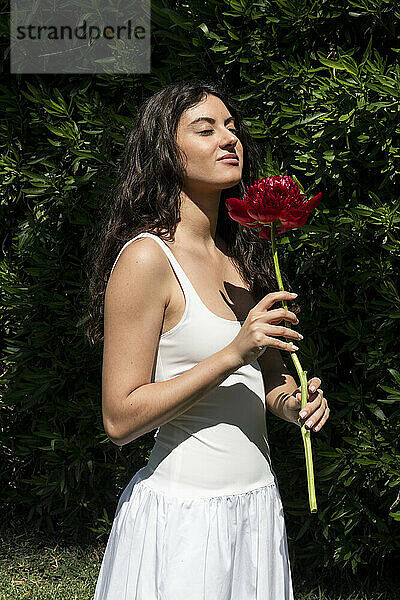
(39, 568)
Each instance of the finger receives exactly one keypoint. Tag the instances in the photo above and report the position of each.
(276, 315)
(315, 416)
(275, 343)
(312, 396)
(324, 419)
(282, 331)
(312, 405)
(314, 383)
(312, 387)
(270, 299)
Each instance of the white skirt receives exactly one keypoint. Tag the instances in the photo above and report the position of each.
(163, 547)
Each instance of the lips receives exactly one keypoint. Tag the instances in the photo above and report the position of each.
(230, 161)
(229, 156)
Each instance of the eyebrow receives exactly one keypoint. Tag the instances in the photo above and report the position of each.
(210, 120)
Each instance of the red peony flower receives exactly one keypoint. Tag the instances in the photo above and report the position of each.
(265, 201)
(271, 198)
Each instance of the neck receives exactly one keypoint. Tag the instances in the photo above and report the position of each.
(198, 224)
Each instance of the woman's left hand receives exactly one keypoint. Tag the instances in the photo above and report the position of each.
(316, 410)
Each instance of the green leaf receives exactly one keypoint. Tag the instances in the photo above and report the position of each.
(396, 375)
(204, 28)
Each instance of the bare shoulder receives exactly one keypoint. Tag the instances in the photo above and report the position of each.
(144, 252)
(141, 262)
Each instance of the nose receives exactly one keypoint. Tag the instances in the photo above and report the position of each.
(229, 140)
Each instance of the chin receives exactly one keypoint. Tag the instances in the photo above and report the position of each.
(232, 183)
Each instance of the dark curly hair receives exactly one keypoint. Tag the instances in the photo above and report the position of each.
(146, 196)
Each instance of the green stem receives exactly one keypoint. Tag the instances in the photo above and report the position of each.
(306, 433)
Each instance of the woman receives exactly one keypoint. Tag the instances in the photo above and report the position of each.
(191, 346)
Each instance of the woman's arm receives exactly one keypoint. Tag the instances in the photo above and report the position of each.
(283, 396)
(136, 296)
(278, 382)
(154, 404)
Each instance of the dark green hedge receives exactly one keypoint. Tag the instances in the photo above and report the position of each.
(318, 83)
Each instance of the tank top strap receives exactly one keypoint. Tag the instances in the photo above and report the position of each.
(180, 273)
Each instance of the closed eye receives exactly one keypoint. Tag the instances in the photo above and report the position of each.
(211, 130)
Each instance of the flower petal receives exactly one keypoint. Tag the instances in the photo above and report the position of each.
(287, 221)
(313, 203)
(237, 210)
(236, 205)
(265, 214)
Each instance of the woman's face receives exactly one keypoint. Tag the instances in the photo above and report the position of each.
(205, 142)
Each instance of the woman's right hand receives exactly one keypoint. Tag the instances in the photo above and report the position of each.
(258, 330)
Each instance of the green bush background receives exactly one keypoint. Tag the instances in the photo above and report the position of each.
(318, 84)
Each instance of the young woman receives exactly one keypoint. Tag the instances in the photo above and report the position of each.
(192, 349)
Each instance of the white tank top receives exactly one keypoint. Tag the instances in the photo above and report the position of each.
(220, 445)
